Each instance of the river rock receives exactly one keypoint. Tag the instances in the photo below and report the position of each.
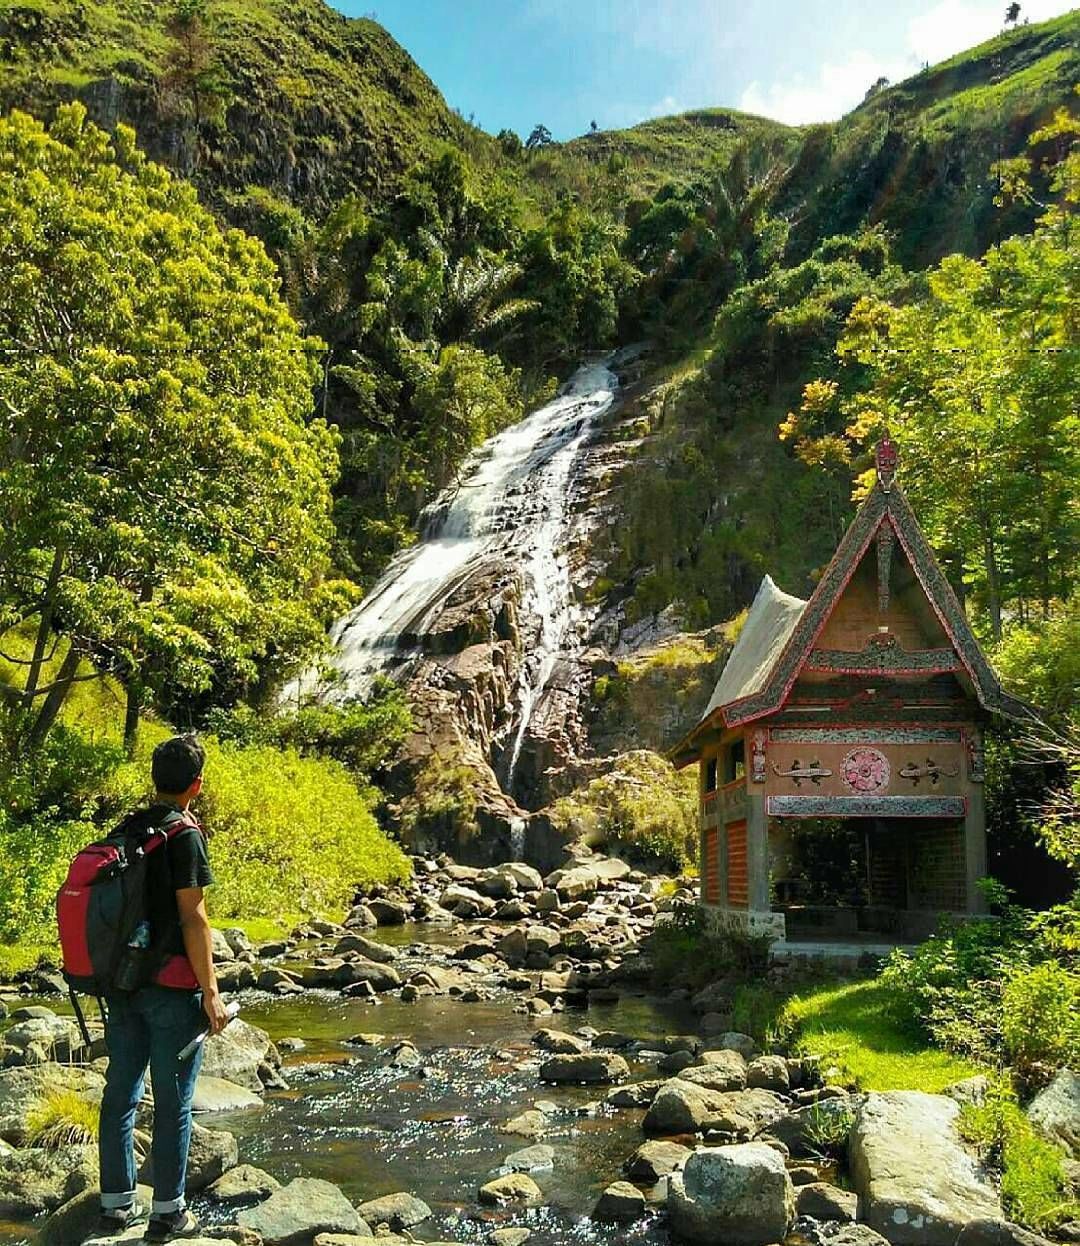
(537, 1158)
(621, 1201)
(292, 1215)
(75, 1220)
(215, 1094)
(528, 1124)
(370, 949)
(57, 1037)
(22, 1088)
(718, 1070)
(33, 1180)
(655, 1159)
(509, 1236)
(388, 912)
(683, 1107)
(213, 1152)
(559, 1042)
(243, 1184)
(404, 1056)
(769, 1073)
(514, 1187)
(547, 901)
(916, 1184)
(399, 1211)
(574, 884)
(237, 1054)
(998, 1233)
(826, 1202)
(344, 1239)
(527, 878)
(596, 1068)
(732, 1040)
(740, 1195)
(635, 1095)
(379, 977)
(796, 1130)
(1055, 1111)
(360, 918)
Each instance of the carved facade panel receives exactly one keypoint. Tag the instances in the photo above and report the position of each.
(872, 762)
(866, 806)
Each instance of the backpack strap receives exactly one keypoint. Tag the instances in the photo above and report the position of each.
(173, 823)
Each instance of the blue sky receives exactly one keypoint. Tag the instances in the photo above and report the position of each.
(568, 62)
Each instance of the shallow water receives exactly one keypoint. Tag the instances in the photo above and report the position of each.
(374, 1130)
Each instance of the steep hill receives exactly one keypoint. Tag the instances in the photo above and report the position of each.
(287, 95)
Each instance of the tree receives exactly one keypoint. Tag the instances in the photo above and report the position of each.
(192, 70)
(164, 495)
(1012, 14)
(540, 137)
(593, 127)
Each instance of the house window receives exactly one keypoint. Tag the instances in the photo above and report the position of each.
(710, 775)
(735, 761)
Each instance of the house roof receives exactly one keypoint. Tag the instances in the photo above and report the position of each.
(780, 630)
(768, 625)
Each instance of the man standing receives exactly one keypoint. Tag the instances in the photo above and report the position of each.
(150, 1026)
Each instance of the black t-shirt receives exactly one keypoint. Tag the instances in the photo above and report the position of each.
(183, 862)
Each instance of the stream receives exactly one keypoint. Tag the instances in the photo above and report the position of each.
(434, 1131)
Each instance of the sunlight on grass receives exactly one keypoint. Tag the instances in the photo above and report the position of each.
(850, 1026)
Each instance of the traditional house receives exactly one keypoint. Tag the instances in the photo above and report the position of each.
(841, 755)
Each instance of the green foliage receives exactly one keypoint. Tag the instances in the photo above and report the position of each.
(442, 802)
(1034, 1187)
(1040, 661)
(642, 806)
(63, 1118)
(362, 735)
(1040, 1024)
(827, 1131)
(686, 951)
(165, 503)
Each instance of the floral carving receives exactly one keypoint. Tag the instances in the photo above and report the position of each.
(865, 770)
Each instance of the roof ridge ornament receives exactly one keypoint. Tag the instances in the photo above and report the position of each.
(885, 460)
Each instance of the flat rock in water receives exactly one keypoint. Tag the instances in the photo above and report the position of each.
(917, 1186)
(681, 1107)
(1055, 1111)
(621, 1201)
(380, 953)
(515, 1187)
(535, 1158)
(826, 1202)
(656, 1159)
(243, 1184)
(237, 1053)
(215, 1094)
(529, 1124)
(399, 1211)
(292, 1215)
(559, 1042)
(509, 1237)
(596, 1068)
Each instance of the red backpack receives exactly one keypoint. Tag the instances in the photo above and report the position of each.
(101, 909)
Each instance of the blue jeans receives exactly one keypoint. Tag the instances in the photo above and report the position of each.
(149, 1028)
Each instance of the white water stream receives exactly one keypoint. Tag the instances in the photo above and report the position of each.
(511, 498)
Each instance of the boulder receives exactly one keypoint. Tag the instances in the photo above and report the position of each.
(683, 1107)
(345, 1239)
(655, 1159)
(595, 1067)
(740, 1195)
(536, 1158)
(917, 1186)
(1055, 1111)
(576, 884)
(732, 1040)
(293, 1214)
(399, 1211)
(796, 1130)
(360, 918)
(370, 949)
(22, 1088)
(826, 1202)
(215, 1094)
(237, 1054)
(559, 1042)
(998, 1233)
(75, 1220)
(243, 1184)
(57, 1037)
(379, 977)
(33, 1180)
(387, 912)
(621, 1201)
(213, 1152)
(514, 1187)
(528, 1124)
(769, 1073)
(719, 1070)
(509, 1237)
(525, 876)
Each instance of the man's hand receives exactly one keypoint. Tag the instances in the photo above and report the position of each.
(214, 1007)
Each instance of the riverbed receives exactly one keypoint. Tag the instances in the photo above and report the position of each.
(350, 1118)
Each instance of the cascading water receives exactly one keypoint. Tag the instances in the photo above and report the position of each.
(511, 499)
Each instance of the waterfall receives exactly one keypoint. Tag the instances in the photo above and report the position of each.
(511, 498)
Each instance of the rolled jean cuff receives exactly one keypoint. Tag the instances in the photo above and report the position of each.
(117, 1202)
(166, 1206)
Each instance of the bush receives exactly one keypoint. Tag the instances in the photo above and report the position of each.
(1041, 1018)
(1034, 1188)
(61, 1119)
(686, 951)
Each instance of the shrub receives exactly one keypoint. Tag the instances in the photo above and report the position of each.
(1041, 1017)
(62, 1118)
(686, 951)
(442, 801)
(1034, 1187)
(828, 1128)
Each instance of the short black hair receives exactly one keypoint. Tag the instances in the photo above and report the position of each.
(177, 763)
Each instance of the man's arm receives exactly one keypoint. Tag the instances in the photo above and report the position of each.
(195, 928)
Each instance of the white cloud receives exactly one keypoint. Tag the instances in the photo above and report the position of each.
(834, 90)
(948, 27)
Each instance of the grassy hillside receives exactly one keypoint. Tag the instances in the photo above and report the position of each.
(288, 95)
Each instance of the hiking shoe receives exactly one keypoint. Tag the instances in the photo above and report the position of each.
(117, 1219)
(163, 1228)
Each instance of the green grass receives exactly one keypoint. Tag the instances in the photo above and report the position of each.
(16, 958)
(262, 929)
(62, 1119)
(849, 1025)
